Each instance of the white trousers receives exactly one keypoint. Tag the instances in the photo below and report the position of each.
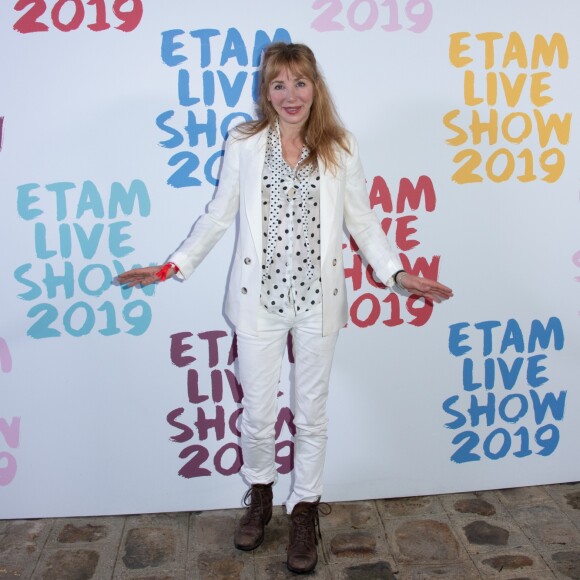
(260, 360)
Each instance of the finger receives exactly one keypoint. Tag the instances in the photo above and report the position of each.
(136, 280)
(435, 294)
(126, 279)
(444, 289)
(441, 295)
(130, 275)
(432, 298)
(440, 289)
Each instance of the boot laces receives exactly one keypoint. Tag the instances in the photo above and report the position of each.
(307, 523)
(254, 499)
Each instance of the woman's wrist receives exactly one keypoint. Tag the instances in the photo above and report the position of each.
(398, 279)
(164, 271)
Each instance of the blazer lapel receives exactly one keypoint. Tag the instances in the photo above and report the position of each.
(251, 168)
(328, 208)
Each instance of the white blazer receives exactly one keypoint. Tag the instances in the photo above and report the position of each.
(343, 198)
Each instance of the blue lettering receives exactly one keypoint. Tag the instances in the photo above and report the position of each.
(90, 200)
(116, 238)
(468, 384)
(53, 281)
(476, 411)
(208, 82)
(168, 47)
(456, 337)
(35, 290)
(24, 200)
(65, 240)
(176, 137)
(544, 334)
(60, 190)
(534, 369)
(234, 47)
(459, 417)
(204, 35)
(105, 283)
(521, 411)
(183, 89)
(555, 405)
(89, 243)
(232, 92)
(487, 326)
(124, 199)
(509, 374)
(512, 337)
(40, 242)
(195, 129)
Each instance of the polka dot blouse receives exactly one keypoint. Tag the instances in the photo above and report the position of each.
(291, 231)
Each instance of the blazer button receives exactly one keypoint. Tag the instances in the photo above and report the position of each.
(244, 291)
(247, 260)
(334, 262)
(335, 291)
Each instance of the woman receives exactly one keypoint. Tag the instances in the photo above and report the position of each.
(294, 176)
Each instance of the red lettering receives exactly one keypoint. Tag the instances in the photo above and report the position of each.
(177, 349)
(380, 194)
(404, 231)
(286, 462)
(212, 337)
(204, 424)
(186, 433)
(373, 315)
(412, 195)
(421, 267)
(285, 417)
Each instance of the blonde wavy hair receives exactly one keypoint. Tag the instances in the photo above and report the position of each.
(323, 130)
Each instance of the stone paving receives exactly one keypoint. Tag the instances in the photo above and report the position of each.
(530, 533)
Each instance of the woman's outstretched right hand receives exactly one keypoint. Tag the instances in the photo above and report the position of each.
(142, 276)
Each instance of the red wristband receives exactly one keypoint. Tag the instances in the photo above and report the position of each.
(162, 274)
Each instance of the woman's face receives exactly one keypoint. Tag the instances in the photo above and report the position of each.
(291, 96)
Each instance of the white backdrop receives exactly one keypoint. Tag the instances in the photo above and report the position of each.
(112, 120)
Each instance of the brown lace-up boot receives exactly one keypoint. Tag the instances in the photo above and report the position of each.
(302, 551)
(250, 531)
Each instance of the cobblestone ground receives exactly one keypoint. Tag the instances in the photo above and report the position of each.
(530, 533)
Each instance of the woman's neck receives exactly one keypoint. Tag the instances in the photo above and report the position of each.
(290, 132)
(291, 141)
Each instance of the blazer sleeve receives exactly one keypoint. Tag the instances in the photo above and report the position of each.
(221, 212)
(363, 223)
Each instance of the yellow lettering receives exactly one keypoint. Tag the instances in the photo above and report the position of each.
(471, 159)
(525, 131)
(456, 47)
(538, 87)
(515, 50)
(461, 136)
(554, 124)
(491, 88)
(478, 127)
(489, 38)
(512, 92)
(469, 89)
(546, 51)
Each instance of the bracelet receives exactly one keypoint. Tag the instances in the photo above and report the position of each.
(400, 273)
(162, 274)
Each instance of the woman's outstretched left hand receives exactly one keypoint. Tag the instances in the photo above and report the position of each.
(143, 276)
(426, 288)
